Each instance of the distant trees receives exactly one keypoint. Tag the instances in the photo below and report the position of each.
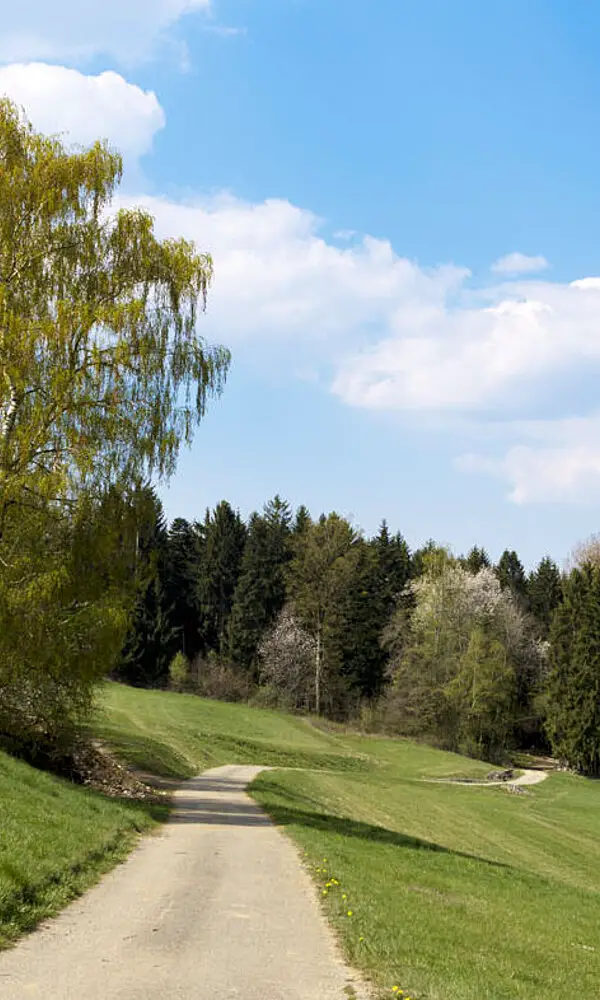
(312, 616)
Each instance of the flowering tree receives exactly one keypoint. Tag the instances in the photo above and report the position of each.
(287, 657)
(463, 659)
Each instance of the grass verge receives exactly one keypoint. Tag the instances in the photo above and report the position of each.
(56, 839)
(452, 893)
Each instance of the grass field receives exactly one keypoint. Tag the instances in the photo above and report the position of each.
(455, 893)
(56, 839)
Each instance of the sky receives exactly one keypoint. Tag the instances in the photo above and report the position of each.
(402, 199)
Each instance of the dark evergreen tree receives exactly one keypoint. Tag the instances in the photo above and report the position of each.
(303, 520)
(511, 574)
(364, 610)
(184, 547)
(260, 592)
(573, 717)
(151, 637)
(544, 589)
(394, 569)
(476, 560)
(223, 548)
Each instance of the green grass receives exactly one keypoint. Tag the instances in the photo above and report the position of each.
(456, 893)
(177, 735)
(56, 839)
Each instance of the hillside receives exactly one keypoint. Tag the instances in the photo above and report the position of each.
(455, 893)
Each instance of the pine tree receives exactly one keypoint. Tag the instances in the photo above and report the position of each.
(511, 574)
(223, 548)
(573, 722)
(260, 592)
(544, 588)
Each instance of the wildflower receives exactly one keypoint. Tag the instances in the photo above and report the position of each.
(324, 892)
(344, 896)
(350, 912)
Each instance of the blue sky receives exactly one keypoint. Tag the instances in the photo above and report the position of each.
(402, 200)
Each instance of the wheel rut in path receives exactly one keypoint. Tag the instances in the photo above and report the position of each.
(214, 907)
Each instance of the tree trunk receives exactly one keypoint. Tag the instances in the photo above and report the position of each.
(318, 673)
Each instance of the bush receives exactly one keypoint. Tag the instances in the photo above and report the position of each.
(214, 678)
(179, 672)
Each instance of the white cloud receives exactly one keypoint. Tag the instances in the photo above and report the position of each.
(75, 30)
(85, 108)
(560, 463)
(519, 263)
(277, 277)
(399, 337)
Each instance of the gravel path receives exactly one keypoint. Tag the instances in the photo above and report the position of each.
(215, 907)
(528, 777)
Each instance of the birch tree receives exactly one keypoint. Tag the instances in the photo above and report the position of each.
(103, 376)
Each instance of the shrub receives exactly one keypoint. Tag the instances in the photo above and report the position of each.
(179, 672)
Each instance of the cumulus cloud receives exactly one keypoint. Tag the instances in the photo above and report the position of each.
(76, 30)
(400, 337)
(519, 263)
(559, 462)
(276, 276)
(85, 108)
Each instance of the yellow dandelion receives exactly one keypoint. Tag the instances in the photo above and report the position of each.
(324, 892)
(350, 912)
(344, 896)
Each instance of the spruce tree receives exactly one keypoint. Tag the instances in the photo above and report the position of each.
(302, 520)
(151, 637)
(476, 560)
(223, 548)
(182, 571)
(511, 574)
(544, 588)
(260, 592)
(393, 567)
(573, 721)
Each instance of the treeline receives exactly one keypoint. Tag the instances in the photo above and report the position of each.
(310, 615)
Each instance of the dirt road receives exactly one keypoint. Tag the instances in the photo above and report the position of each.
(215, 907)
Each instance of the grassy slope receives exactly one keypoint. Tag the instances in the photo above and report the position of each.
(55, 840)
(458, 893)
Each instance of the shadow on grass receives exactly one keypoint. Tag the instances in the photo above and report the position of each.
(289, 815)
